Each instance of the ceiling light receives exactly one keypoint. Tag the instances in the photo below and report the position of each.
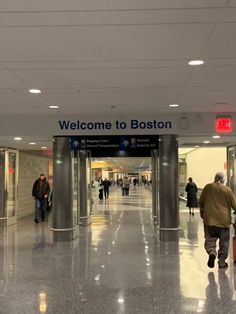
(34, 91)
(32, 143)
(53, 107)
(196, 146)
(216, 136)
(17, 138)
(174, 105)
(43, 147)
(196, 62)
(206, 142)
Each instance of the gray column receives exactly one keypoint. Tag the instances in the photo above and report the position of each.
(84, 213)
(155, 186)
(169, 205)
(62, 219)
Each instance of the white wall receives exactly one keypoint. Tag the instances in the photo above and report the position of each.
(105, 174)
(203, 163)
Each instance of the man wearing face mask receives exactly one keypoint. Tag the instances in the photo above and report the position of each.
(40, 192)
(216, 202)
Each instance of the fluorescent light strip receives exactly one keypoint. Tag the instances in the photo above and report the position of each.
(174, 105)
(35, 91)
(196, 62)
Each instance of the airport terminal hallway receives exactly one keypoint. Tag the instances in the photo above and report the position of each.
(116, 265)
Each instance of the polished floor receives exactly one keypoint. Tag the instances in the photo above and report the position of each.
(117, 265)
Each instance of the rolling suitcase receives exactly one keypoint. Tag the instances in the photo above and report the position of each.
(100, 195)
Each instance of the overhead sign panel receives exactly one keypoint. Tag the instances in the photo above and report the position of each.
(129, 145)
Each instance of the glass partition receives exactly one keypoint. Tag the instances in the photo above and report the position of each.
(231, 168)
(89, 183)
(11, 199)
(8, 185)
(75, 187)
(12, 175)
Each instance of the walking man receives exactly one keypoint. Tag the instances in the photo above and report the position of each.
(40, 193)
(106, 185)
(216, 202)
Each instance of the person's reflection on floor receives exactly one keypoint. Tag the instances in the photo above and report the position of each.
(40, 236)
(226, 293)
(192, 226)
(219, 301)
(106, 212)
(212, 298)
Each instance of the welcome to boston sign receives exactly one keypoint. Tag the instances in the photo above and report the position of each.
(134, 124)
(72, 125)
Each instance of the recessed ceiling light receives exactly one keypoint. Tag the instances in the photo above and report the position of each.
(17, 138)
(32, 143)
(216, 136)
(53, 107)
(196, 62)
(43, 147)
(206, 142)
(196, 146)
(174, 105)
(34, 91)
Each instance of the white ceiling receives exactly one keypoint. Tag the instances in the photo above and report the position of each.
(88, 56)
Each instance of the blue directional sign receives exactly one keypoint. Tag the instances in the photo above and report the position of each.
(128, 145)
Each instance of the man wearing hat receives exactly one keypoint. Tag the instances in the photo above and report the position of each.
(216, 202)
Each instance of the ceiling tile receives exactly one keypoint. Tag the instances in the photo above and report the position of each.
(222, 43)
(213, 76)
(29, 5)
(10, 80)
(80, 79)
(103, 43)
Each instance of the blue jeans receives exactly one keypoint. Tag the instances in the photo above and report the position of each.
(40, 207)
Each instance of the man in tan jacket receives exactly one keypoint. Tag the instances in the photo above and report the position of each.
(216, 202)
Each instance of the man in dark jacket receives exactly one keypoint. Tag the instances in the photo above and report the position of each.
(40, 192)
(106, 185)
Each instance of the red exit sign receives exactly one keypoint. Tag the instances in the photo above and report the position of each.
(223, 124)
